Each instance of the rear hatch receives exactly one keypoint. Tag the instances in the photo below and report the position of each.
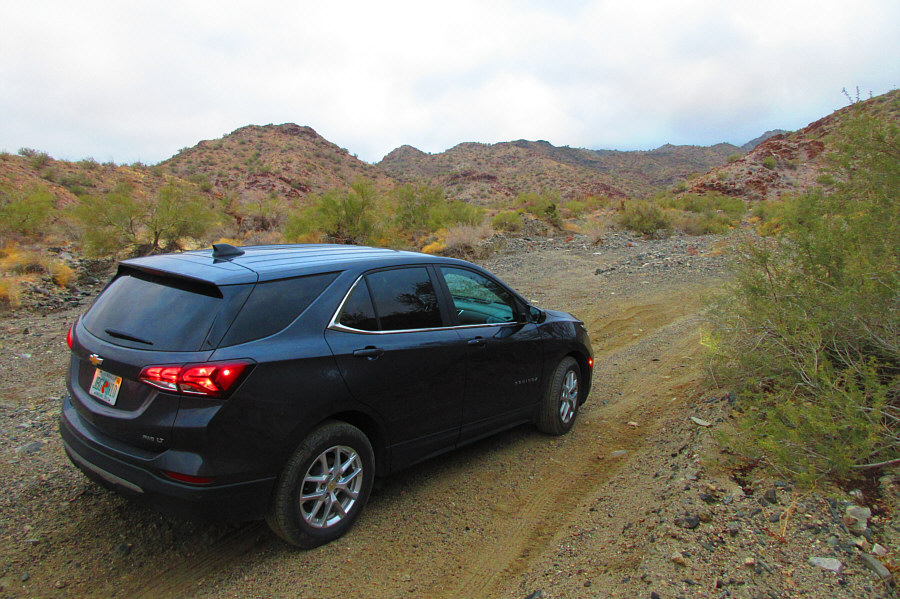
(144, 319)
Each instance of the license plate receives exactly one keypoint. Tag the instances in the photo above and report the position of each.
(105, 386)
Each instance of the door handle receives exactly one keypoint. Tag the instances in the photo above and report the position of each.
(370, 352)
(477, 341)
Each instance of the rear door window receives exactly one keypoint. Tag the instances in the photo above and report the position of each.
(393, 300)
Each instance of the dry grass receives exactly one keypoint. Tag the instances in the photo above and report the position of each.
(62, 274)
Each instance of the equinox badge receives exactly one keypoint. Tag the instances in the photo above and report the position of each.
(95, 359)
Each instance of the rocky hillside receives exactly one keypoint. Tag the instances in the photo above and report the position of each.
(790, 162)
(480, 173)
(286, 160)
(65, 181)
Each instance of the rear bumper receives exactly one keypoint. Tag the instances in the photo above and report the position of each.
(136, 473)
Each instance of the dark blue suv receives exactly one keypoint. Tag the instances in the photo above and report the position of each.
(278, 381)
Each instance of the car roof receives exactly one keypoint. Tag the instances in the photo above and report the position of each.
(269, 262)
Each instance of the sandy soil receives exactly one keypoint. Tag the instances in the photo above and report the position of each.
(592, 514)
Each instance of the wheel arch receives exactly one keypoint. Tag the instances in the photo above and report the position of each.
(372, 430)
(587, 374)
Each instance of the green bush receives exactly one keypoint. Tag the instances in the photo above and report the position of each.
(25, 212)
(809, 336)
(118, 220)
(769, 162)
(645, 218)
(507, 220)
(543, 206)
(343, 216)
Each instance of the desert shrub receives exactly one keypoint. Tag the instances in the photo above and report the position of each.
(734, 158)
(201, 180)
(118, 221)
(543, 206)
(19, 261)
(342, 216)
(597, 228)
(766, 217)
(645, 218)
(25, 212)
(461, 241)
(700, 224)
(575, 208)
(769, 162)
(708, 203)
(76, 183)
(62, 274)
(507, 220)
(809, 336)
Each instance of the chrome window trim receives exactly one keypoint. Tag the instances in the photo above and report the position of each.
(335, 325)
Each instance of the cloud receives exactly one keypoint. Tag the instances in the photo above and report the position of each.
(129, 81)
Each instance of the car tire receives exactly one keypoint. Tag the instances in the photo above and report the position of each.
(559, 405)
(333, 468)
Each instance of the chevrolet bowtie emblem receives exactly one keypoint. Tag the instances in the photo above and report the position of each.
(95, 359)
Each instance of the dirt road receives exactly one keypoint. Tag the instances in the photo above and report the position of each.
(501, 518)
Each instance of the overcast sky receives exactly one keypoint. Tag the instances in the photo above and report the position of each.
(131, 80)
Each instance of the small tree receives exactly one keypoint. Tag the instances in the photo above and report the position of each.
(25, 212)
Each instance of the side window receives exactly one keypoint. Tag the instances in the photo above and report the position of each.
(358, 312)
(273, 305)
(404, 298)
(477, 299)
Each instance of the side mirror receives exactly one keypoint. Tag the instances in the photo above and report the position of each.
(535, 314)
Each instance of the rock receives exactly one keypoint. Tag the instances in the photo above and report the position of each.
(856, 519)
(879, 550)
(619, 453)
(632, 423)
(827, 563)
(123, 549)
(749, 562)
(688, 521)
(29, 448)
(771, 496)
(535, 595)
(677, 558)
(876, 566)
(700, 421)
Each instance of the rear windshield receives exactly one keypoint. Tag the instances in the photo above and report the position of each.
(152, 312)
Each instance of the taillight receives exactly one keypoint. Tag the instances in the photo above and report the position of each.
(208, 380)
(591, 363)
(69, 336)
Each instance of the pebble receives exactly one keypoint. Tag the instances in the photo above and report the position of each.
(678, 558)
(700, 421)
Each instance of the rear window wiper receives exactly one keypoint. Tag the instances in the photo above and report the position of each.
(126, 336)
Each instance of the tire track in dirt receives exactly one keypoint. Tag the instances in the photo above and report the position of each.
(663, 329)
(182, 578)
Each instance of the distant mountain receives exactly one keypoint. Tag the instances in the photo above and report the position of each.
(480, 173)
(755, 142)
(286, 160)
(789, 162)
